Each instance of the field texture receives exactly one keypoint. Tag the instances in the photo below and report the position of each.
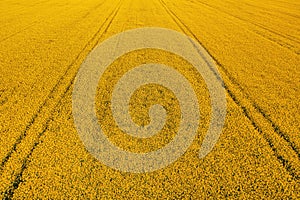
(255, 45)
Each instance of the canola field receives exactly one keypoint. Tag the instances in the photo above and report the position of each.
(255, 45)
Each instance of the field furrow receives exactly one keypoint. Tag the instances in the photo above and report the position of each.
(259, 70)
(284, 149)
(255, 46)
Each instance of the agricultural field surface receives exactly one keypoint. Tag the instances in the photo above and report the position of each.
(49, 148)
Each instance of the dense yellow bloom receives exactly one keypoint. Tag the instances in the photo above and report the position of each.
(256, 46)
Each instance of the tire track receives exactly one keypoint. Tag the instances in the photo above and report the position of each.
(20, 31)
(86, 14)
(270, 11)
(8, 194)
(93, 9)
(32, 23)
(287, 36)
(267, 10)
(4, 94)
(287, 46)
(90, 11)
(284, 138)
(66, 84)
(52, 93)
(235, 82)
